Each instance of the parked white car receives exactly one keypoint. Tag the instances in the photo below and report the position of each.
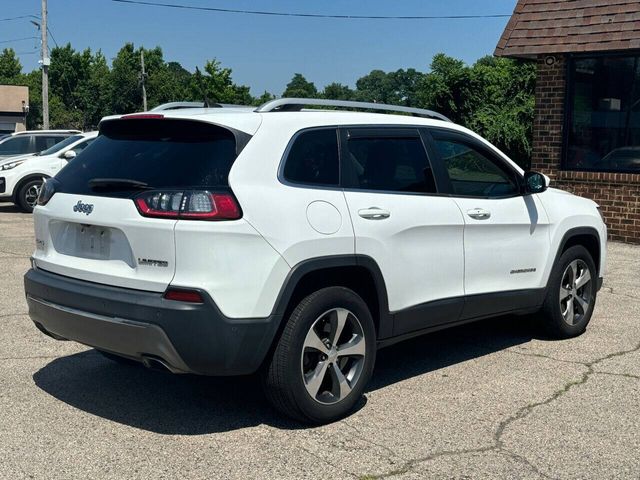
(21, 177)
(31, 141)
(296, 242)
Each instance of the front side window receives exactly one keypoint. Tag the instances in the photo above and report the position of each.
(60, 145)
(388, 164)
(81, 146)
(472, 172)
(603, 117)
(313, 158)
(16, 145)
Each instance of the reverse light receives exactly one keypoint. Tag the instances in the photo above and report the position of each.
(189, 205)
(181, 295)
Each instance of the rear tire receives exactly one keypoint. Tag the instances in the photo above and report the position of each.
(28, 195)
(324, 358)
(571, 294)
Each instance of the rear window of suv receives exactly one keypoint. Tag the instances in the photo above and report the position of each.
(158, 152)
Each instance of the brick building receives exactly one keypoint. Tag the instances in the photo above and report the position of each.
(586, 133)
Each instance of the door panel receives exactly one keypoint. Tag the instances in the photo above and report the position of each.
(415, 235)
(506, 234)
(506, 250)
(418, 246)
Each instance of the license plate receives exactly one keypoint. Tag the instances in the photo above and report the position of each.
(93, 242)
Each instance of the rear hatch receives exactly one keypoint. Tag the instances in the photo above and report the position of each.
(109, 215)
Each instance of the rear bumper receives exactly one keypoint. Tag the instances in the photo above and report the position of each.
(187, 338)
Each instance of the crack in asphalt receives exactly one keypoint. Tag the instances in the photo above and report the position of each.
(7, 315)
(364, 438)
(14, 254)
(614, 374)
(540, 355)
(611, 291)
(324, 460)
(498, 445)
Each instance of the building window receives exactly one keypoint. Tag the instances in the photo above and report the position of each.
(603, 116)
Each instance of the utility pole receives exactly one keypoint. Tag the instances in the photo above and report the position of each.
(46, 61)
(143, 78)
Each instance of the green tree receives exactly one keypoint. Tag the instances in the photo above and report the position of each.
(338, 91)
(378, 87)
(264, 98)
(124, 81)
(10, 67)
(446, 88)
(300, 87)
(504, 104)
(215, 85)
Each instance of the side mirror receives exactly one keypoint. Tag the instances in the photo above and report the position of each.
(70, 155)
(534, 182)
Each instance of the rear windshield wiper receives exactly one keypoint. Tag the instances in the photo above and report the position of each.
(117, 184)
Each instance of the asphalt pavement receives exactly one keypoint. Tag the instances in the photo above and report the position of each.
(494, 399)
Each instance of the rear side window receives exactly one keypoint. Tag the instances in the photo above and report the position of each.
(44, 142)
(313, 158)
(160, 153)
(389, 164)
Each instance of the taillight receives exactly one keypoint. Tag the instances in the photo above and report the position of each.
(181, 295)
(47, 191)
(189, 205)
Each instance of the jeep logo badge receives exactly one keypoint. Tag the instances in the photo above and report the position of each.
(80, 207)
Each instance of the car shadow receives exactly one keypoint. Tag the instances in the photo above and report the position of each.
(11, 208)
(191, 405)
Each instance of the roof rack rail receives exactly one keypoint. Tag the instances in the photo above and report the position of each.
(177, 106)
(297, 104)
(183, 105)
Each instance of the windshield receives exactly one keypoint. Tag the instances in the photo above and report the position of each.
(59, 146)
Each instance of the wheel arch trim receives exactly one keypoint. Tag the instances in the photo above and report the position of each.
(20, 183)
(300, 270)
(581, 231)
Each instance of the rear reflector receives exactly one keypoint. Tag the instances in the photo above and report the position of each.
(189, 205)
(190, 296)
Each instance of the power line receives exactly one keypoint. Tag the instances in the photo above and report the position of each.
(308, 15)
(52, 37)
(17, 18)
(18, 39)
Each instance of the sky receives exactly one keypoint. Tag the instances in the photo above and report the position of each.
(264, 52)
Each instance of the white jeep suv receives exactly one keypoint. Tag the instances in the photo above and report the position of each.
(296, 242)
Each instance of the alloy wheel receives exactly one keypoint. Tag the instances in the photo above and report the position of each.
(333, 356)
(575, 292)
(31, 195)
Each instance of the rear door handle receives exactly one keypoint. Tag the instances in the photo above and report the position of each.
(374, 213)
(479, 213)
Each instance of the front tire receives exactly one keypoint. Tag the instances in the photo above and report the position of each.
(571, 294)
(324, 358)
(28, 195)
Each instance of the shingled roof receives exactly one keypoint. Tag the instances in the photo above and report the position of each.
(564, 26)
